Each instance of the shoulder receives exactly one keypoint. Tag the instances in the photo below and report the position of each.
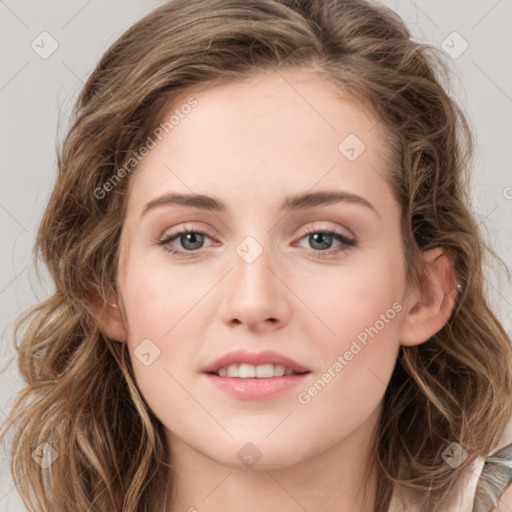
(494, 489)
(505, 502)
(494, 492)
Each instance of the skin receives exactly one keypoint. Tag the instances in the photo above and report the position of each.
(505, 501)
(251, 144)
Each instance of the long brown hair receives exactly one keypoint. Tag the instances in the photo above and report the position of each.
(80, 395)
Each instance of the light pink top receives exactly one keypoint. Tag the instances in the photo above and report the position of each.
(464, 499)
(461, 502)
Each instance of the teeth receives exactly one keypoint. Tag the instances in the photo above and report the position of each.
(268, 370)
(246, 371)
(249, 371)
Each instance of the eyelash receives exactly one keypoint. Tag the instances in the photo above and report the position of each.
(346, 243)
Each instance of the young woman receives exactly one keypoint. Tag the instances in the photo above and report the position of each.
(269, 287)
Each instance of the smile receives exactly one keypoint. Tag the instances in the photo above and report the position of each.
(249, 371)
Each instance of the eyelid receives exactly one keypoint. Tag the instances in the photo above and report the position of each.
(169, 234)
(305, 231)
(346, 241)
(319, 227)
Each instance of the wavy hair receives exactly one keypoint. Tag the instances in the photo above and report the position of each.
(80, 394)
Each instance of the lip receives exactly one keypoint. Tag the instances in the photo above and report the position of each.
(255, 388)
(256, 359)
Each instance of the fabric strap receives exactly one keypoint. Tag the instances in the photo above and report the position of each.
(496, 476)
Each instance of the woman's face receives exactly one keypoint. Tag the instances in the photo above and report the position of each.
(261, 272)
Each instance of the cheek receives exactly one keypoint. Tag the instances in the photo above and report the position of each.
(157, 298)
(351, 299)
(162, 304)
(358, 323)
(358, 356)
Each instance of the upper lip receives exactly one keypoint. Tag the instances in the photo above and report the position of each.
(256, 359)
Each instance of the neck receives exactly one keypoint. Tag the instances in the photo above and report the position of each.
(335, 480)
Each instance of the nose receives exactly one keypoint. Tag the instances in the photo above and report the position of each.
(256, 294)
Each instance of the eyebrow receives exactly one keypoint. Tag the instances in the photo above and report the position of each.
(301, 201)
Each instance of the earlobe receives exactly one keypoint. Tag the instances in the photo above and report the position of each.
(429, 306)
(110, 321)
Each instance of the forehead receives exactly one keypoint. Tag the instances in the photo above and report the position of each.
(270, 135)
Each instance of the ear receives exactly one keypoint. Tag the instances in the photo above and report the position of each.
(429, 306)
(108, 315)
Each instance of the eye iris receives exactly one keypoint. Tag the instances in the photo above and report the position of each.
(314, 238)
(195, 238)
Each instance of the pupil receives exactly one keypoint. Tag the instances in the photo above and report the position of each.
(317, 236)
(193, 238)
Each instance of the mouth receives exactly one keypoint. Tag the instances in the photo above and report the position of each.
(249, 371)
(255, 376)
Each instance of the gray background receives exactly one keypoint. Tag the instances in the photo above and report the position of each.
(36, 95)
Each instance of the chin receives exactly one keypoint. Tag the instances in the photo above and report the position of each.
(259, 455)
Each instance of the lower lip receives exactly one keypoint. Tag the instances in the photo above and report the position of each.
(256, 389)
